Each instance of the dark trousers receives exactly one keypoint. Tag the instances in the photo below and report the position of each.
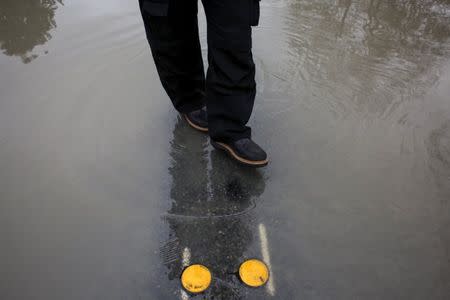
(229, 88)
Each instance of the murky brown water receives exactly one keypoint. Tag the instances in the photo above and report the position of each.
(105, 193)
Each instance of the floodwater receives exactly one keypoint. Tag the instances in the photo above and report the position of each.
(106, 194)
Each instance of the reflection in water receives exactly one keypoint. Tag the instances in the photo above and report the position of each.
(26, 24)
(438, 145)
(365, 57)
(439, 151)
(210, 218)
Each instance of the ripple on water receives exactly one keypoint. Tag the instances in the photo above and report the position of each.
(357, 58)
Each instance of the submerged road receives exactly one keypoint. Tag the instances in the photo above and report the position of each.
(105, 192)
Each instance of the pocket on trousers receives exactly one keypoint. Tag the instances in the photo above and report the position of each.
(156, 8)
(254, 12)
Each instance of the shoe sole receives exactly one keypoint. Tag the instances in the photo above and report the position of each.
(195, 126)
(235, 156)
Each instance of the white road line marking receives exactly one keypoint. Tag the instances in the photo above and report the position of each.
(266, 257)
(186, 257)
(184, 295)
(186, 261)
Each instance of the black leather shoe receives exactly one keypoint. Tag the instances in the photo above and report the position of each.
(245, 151)
(198, 119)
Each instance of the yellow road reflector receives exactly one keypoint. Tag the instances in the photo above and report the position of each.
(196, 278)
(254, 273)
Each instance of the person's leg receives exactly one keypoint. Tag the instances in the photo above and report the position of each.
(230, 82)
(172, 32)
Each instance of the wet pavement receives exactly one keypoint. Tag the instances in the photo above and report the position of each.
(105, 193)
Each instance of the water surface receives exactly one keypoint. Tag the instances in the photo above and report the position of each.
(105, 193)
